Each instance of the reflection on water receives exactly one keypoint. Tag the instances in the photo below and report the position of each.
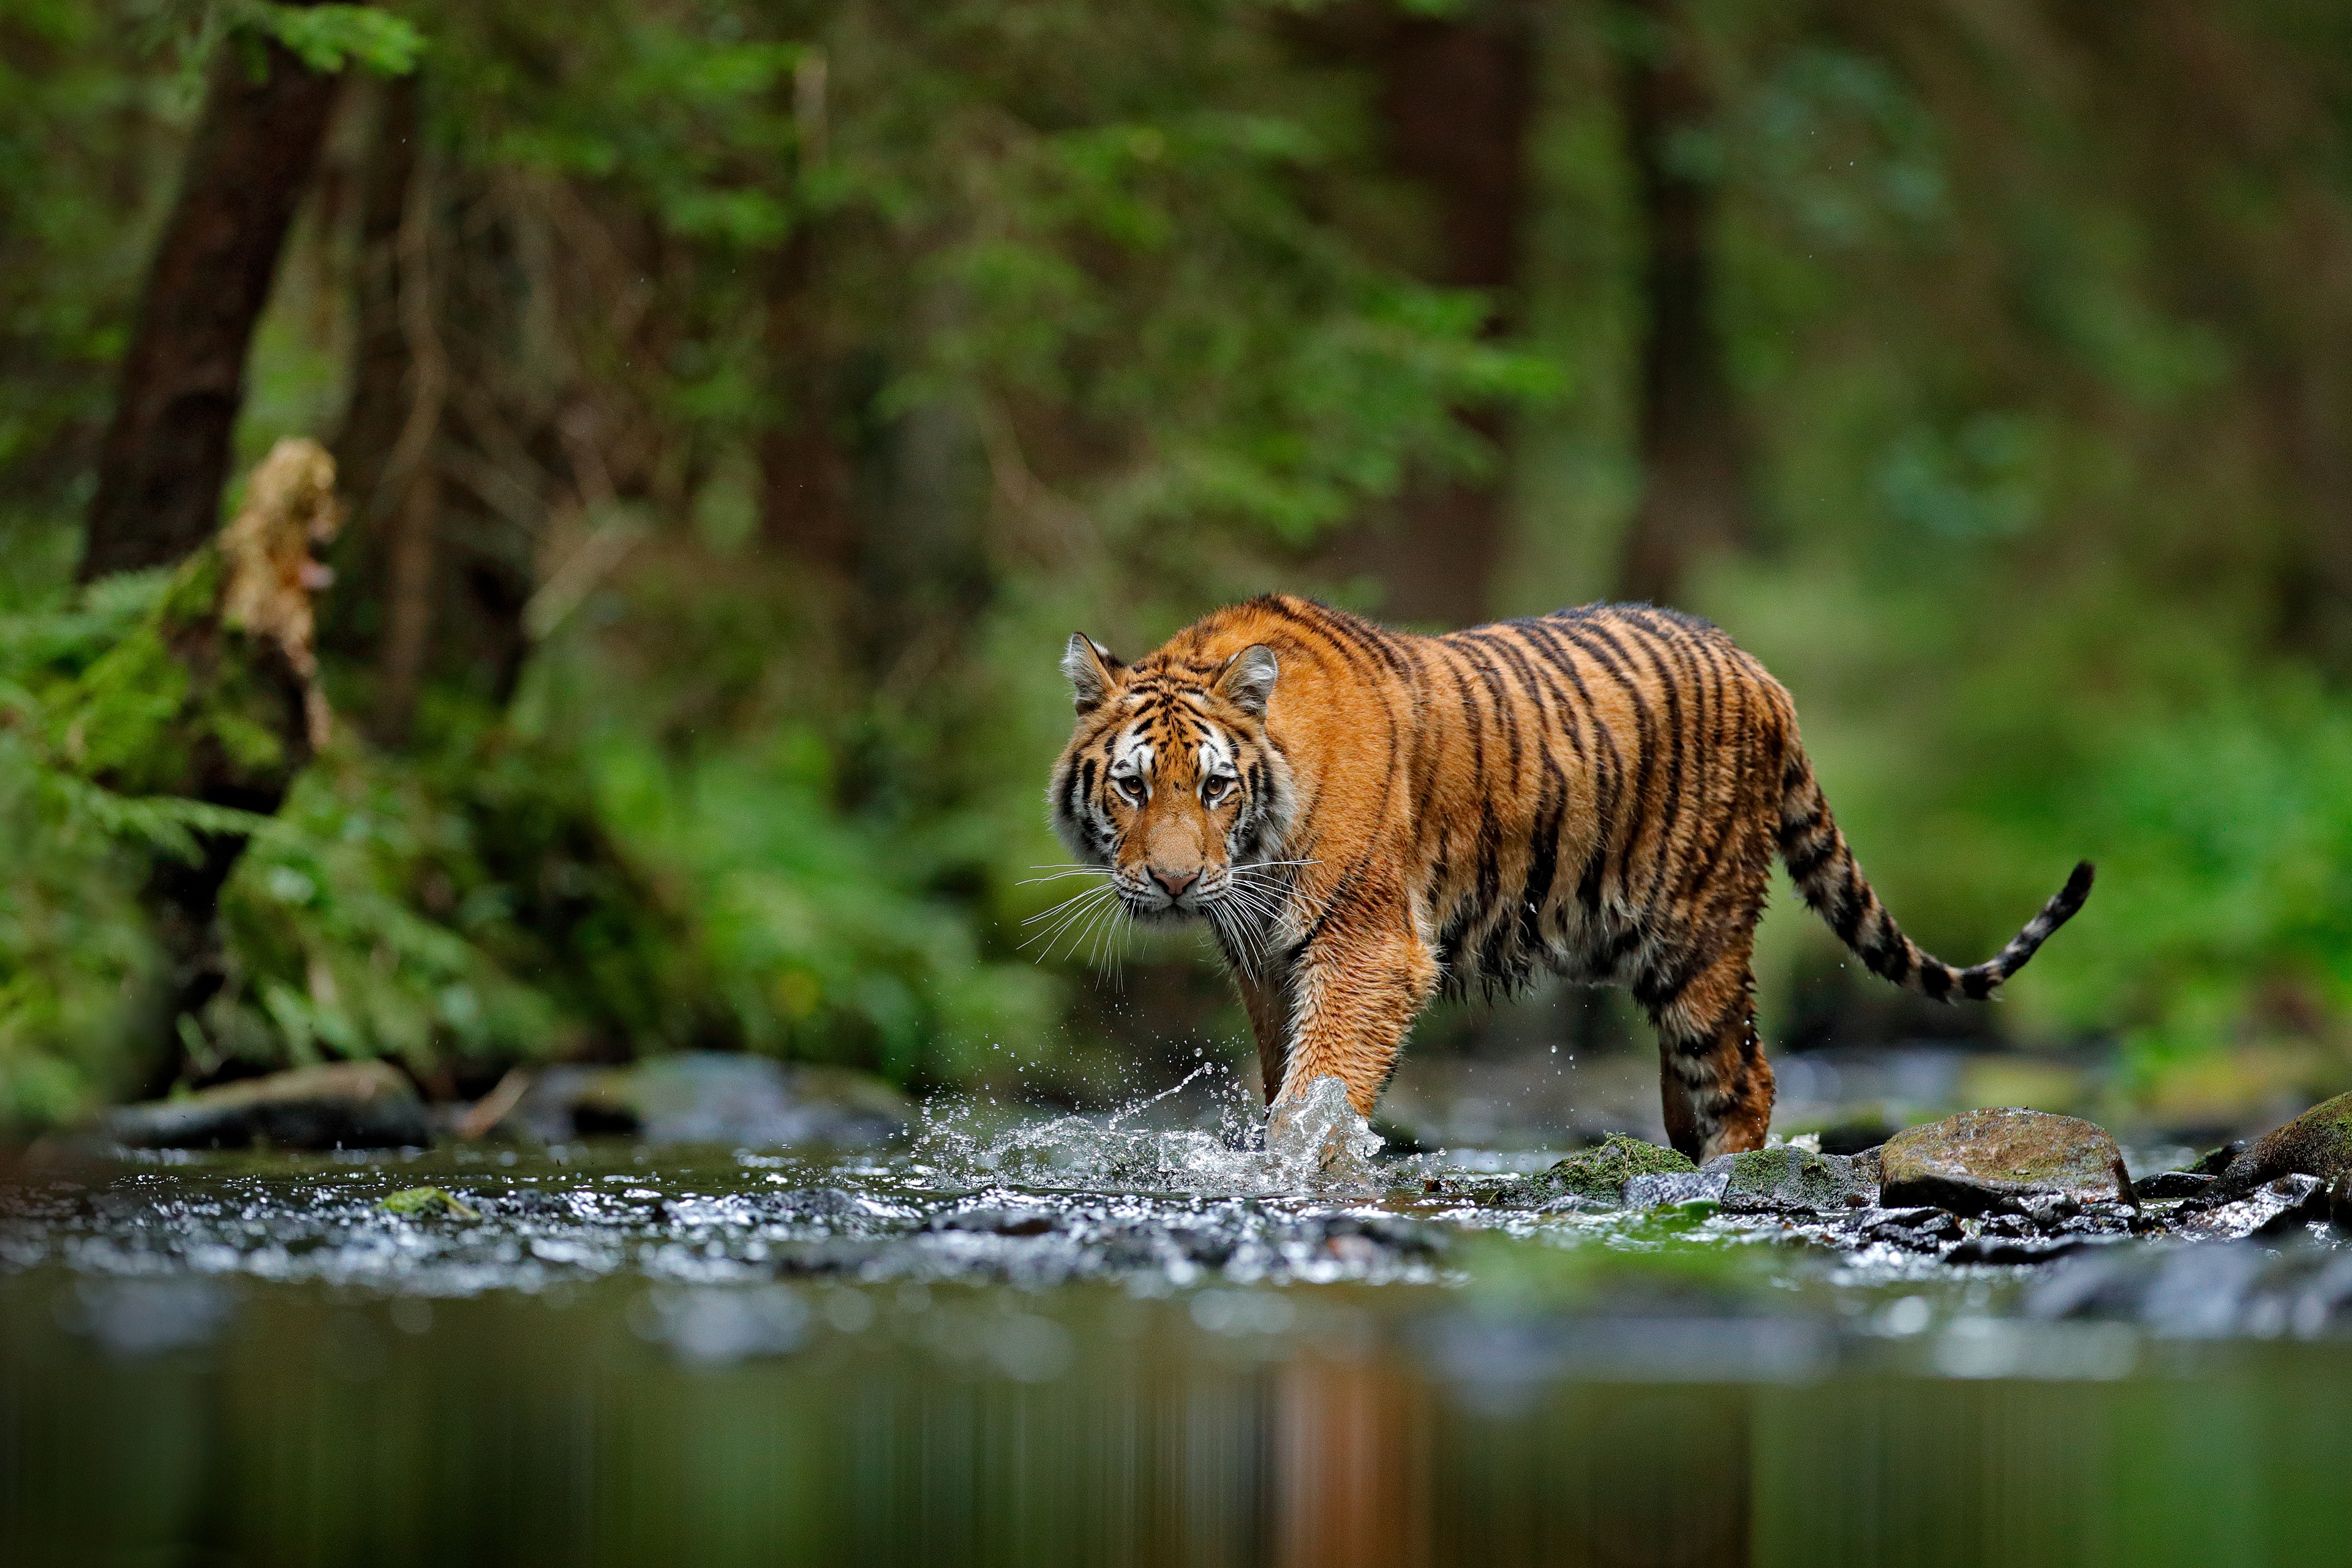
(766, 1424)
(1096, 1340)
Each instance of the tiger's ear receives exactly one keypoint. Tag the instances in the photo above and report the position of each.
(1247, 679)
(1093, 670)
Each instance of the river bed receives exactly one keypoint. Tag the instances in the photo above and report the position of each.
(1026, 1340)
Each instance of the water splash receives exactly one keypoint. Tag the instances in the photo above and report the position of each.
(1317, 1144)
(1319, 1132)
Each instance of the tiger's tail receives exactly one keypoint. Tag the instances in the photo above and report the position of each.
(1824, 867)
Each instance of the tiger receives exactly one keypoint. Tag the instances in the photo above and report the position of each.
(1367, 818)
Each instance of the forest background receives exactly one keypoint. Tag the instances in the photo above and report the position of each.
(737, 405)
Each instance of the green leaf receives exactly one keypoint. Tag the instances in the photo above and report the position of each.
(328, 37)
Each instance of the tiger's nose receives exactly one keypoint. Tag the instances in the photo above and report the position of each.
(1175, 882)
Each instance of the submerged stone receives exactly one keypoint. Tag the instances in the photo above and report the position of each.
(345, 1105)
(2316, 1143)
(1599, 1173)
(419, 1202)
(1914, 1229)
(1980, 1159)
(1789, 1180)
(2277, 1207)
(1676, 1187)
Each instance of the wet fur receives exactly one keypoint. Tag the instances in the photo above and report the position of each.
(1598, 792)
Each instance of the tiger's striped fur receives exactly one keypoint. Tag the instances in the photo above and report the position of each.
(1367, 817)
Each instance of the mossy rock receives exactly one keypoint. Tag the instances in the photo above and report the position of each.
(1787, 1180)
(2316, 1143)
(1978, 1159)
(428, 1203)
(1599, 1173)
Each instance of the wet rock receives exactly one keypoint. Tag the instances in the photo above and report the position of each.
(428, 1203)
(993, 1221)
(1914, 1229)
(2316, 1143)
(345, 1105)
(814, 1204)
(1972, 1162)
(1678, 1187)
(1598, 1174)
(2091, 1219)
(709, 1097)
(2017, 1251)
(2165, 1185)
(529, 1203)
(1789, 1180)
(2275, 1208)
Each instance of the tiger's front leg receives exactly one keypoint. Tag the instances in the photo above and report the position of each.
(1353, 994)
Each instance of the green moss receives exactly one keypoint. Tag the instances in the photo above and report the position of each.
(1602, 1172)
(419, 1202)
(2316, 1143)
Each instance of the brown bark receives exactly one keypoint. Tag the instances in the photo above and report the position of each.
(1457, 97)
(380, 400)
(1693, 502)
(167, 451)
(408, 622)
(409, 472)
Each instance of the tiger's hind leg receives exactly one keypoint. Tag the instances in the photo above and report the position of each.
(1712, 1080)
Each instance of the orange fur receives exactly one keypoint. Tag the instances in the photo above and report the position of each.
(1367, 816)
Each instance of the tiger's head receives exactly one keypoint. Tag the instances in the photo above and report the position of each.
(1170, 782)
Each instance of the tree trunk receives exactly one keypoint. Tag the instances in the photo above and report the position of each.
(1693, 501)
(806, 510)
(167, 451)
(381, 396)
(1457, 97)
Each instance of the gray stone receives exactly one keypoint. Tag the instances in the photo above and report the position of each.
(345, 1105)
(1788, 1180)
(1980, 1160)
(2316, 1143)
(1675, 1187)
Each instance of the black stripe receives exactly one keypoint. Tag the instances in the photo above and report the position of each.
(1855, 899)
(1366, 636)
(1560, 663)
(1671, 804)
(1605, 769)
(1808, 859)
(1283, 608)
(1645, 728)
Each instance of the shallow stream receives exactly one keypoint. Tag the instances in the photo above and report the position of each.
(1118, 1337)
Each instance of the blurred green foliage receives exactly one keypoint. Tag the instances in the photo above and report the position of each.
(1108, 310)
